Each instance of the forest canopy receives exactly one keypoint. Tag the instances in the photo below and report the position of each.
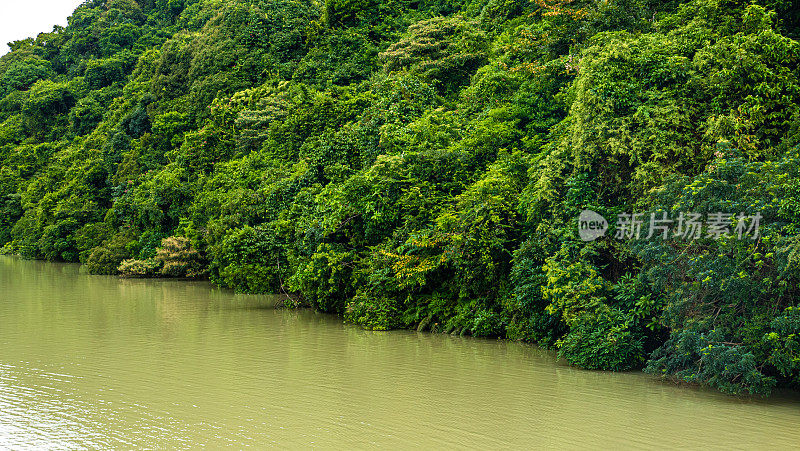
(424, 164)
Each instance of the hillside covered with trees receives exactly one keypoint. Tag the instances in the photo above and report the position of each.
(423, 164)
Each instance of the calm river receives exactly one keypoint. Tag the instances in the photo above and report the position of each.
(98, 362)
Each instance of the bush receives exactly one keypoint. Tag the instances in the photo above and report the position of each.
(101, 73)
(250, 259)
(496, 12)
(605, 341)
(529, 319)
(373, 314)
(487, 323)
(139, 268)
(85, 116)
(445, 51)
(46, 102)
(174, 258)
(21, 75)
(326, 280)
(784, 340)
(107, 258)
(708, 358)
(179, 259)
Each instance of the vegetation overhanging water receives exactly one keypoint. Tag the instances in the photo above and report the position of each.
(425, 164)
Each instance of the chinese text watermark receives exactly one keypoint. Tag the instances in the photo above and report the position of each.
(685, 226)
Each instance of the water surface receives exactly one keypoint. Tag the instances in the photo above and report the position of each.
(99, 362)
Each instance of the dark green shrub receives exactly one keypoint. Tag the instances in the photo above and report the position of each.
(106, 259)
(487, 323)
(784, 340)
(326, 280)
(10, 212)
(495, 12)
(709, 358)
(602, 341)
(251, 259)
(23, 74)
(373, 313)
(85, 116)
(101, 73)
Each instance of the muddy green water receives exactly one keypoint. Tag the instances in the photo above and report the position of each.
(98, 362)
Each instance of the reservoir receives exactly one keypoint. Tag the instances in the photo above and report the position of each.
(101, 362)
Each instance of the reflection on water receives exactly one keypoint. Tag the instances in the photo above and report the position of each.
(98, 362)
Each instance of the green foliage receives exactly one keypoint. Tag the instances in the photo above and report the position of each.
(85, 116)
(530, 319)
(21, 75)
(47, 105)
(573, 289)
(373, 313)
(707, 358)
(179, 259)
(10, 213)
(421, 164)
(784, 340)
(326, 280)
(603, 340)
(250, 260)
(101, 73)
(175, 257)
(139, 268)
(106, 259)
(496, 12)
(442, 51)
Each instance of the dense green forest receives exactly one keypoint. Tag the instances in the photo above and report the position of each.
(423, 164)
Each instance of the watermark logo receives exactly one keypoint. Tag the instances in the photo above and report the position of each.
(591, 225)
(686, 226)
